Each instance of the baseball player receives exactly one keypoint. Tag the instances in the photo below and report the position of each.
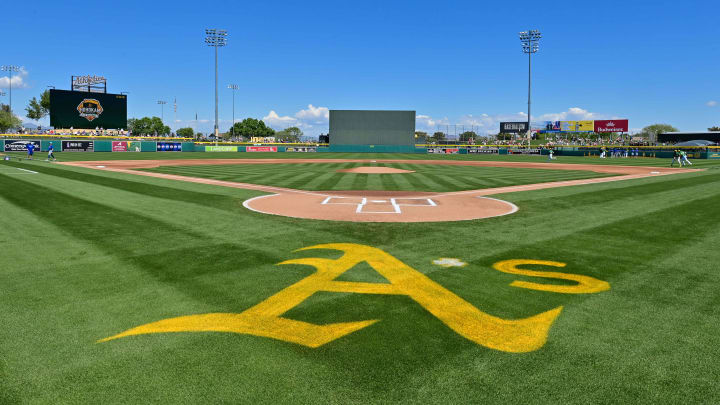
(30, 150)
(683, 159)
(676, 156)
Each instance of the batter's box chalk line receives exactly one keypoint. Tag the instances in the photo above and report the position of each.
(388, 205)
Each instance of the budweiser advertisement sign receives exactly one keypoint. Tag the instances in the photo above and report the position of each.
(611, 125)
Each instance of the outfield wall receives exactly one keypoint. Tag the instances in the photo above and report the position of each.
(16, 144)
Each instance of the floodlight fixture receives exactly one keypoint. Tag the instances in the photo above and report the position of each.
(233, 87)
(162, 110)
(10, 69)
(530, 41)
(216, 38)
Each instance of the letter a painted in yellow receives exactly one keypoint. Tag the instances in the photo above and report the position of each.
(265, 319)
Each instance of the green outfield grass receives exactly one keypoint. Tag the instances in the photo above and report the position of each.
(89, 254)
(324, 176)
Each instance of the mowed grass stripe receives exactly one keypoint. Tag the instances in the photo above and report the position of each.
(324, 176)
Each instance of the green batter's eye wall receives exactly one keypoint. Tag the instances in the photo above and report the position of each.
(368, 127)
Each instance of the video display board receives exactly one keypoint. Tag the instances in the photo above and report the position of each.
(372, 127)
(513, 127)
(83, 110)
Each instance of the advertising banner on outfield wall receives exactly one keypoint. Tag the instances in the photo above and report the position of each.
(513, 127)
(221, 148)
(301, 149)
(611, 126)
(18, 145)
(577, 126)
(126, 146)
(444, 150)
(482, 150)
(78, 146)
(261, 149)
(169, 146)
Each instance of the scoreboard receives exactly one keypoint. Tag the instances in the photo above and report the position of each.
(88, 110)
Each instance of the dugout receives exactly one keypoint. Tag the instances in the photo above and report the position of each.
(372, 131)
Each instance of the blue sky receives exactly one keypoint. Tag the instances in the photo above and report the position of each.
(454, 62)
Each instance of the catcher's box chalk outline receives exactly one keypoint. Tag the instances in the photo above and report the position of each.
(379, 200)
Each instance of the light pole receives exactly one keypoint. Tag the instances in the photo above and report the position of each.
(10, 69)
(233, 87)
(162, 110)
(216, 38)
(530, 42)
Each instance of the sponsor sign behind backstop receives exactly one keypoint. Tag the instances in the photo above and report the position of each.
(261, 149)
(80, 109)
(513, 127)
(78, 146)
(611, 126)
(11, 145)
(169, 146)
(221, 148)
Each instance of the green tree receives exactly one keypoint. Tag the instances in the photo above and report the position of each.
(438, 136)
(467, 136)
(714, 129)
(250, 127)
(185, 132)
(38, 109)
(7, 119)
(148, 126)
(420, 137)
(651, 131)
(291, 134)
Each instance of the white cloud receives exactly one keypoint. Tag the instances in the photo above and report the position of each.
(572, 114)
(711, 103)
(274, 120)
(19, 80)
(317, 115)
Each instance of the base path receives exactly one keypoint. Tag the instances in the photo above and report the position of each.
(381, 206)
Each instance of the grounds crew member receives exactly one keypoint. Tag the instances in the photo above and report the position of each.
(30, 150)
(50, 153)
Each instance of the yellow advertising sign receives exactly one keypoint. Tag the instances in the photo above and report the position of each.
(577, 126)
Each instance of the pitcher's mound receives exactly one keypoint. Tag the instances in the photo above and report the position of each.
(374, 170)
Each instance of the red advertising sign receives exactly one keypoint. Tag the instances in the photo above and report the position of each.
(119, 146)
(611, 126)
(261, 149)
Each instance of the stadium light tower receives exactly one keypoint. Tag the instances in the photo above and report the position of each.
(10, 69)
(216, 38)
(233, 87)
(162, 110)
(530, 43)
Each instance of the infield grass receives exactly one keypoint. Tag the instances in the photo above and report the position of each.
(88, 254)
(325, 176)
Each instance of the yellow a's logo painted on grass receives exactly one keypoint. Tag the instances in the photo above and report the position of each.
(265, 319)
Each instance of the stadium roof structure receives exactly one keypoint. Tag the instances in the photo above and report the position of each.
(712, 136)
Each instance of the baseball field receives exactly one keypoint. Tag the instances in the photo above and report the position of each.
(358, 278)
